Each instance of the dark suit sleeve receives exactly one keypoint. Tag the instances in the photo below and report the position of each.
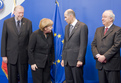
(64, 44)
(94, 45)
(4, 40)
(63, 49)
(30, 29)
(116, 47)
(52, 49)
(32, 44)
(83, 43)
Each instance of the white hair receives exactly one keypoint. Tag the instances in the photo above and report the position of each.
(112, 15)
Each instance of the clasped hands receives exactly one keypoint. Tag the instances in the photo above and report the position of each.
(101, 58)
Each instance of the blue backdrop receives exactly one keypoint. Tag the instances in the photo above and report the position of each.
(87, 11)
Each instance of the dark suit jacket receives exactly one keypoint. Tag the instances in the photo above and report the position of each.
(41, 49)
(74, 48)
(14, 44)
(109, 46)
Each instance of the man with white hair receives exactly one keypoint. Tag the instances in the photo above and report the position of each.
(106, 49)
(14, 45)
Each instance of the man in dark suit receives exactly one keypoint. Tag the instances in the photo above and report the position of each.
(14, 45)
(106, 49)
(74, 49)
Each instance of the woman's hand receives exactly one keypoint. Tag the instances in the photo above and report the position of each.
(34, 67)
(62, 63)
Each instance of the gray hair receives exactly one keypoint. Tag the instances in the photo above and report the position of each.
(18, 6)
(112, 15)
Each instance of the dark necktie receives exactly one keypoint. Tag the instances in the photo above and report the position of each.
(106, 29)
(70, 30)
(18, 26)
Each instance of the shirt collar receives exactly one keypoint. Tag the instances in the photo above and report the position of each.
(74, 23)
(109, 26)
(17, 20)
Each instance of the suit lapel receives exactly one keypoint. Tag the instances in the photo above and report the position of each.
(67, 32)
(102, 31)
(42, 35)
(14, 25)
(22, 26)
(73, 31)
(109, 31)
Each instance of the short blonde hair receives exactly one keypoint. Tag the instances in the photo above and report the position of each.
(44, 23)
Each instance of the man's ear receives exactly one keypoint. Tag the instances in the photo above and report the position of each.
(111, 19)
(71, 16)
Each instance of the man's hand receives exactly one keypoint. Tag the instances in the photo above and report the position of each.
(62, 63)
(102, 59)
(79, 63)
(34, 67)
(105, 61)
(98, 55)
(5, 60)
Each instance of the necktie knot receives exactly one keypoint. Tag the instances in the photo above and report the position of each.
(18, 23)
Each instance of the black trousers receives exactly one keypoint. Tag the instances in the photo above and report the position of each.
(106, 76)
(74, 74)
(42, 75)
(17, 72)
